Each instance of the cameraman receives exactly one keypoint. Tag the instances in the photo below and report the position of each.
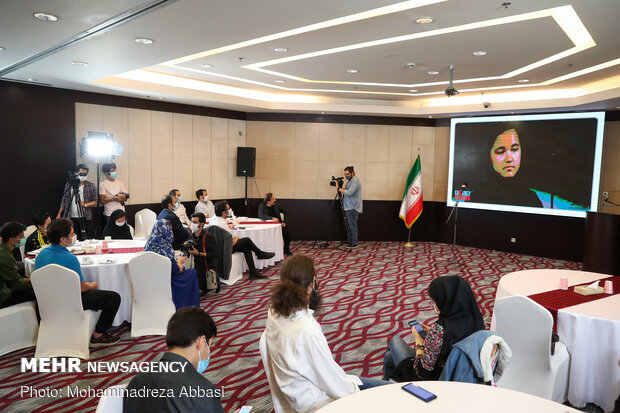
(352, 202)
(112, 192)
(88, 195)
(203, 247)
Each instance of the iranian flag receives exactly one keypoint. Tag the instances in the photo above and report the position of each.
(411, 207)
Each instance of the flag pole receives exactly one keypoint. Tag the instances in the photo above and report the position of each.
(409, 243)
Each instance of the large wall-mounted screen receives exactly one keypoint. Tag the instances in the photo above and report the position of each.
(544, 164)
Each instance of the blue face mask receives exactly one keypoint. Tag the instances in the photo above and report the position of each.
(176, 206)
(203, 364)
(113, 175)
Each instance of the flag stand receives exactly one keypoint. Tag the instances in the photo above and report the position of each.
(409, 243)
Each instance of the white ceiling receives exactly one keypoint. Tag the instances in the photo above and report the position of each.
(568, 50)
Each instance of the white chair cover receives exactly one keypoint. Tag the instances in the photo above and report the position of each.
(65, 327)
(152, 304)
(19, 327)
(29, 230)
(526, 326)
(111, 403)
(236, 269)
(145, 220)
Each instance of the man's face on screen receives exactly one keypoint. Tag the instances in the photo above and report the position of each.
(506, 154)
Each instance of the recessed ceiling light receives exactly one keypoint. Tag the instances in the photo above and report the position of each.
(31, 79)
(424, 20)
(352, 71)
(432, 72)
(523, 80)
(2, 48)
(206, 65)
(413, 90)
(79, 63)
(160, 98)
(144, 40)
(430, 116)
(280, 49)
(46, 17)
(280, 81)
(480, 53)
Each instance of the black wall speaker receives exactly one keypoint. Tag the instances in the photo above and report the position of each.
(246, 161)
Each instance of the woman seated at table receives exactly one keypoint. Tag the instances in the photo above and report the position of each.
(459, 317)
(185, 291)
(302, 373)
(117, 227)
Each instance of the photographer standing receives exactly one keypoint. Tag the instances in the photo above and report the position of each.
(352, 202)
(112, 192)
(88, 195)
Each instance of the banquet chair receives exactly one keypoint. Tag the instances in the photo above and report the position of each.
(19, 327)
(152, 304)
(29, 230)
(112, 400)
(229, 265)
(65, 327)
(526, 326)
(144, 220)
(277, 397)
(132, 231)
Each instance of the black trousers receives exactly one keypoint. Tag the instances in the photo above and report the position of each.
(286, 236)
(22, 296)
(90, 228)
(246, 246)
(107, 302)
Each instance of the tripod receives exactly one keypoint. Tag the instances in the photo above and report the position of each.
(343, 243)
(74, 186)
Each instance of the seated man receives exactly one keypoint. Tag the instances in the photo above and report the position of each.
(204, 205)
(189, 337)
(14, 289)
(204, 250)
(180, 234)
(179, 208)
(38, 238)
(268, 210)
(244, 245)
(61, 235)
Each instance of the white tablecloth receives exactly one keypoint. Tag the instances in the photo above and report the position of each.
(267, 237)
(591, 332)
(451, 397)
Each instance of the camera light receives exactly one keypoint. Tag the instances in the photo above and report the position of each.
(99, 147)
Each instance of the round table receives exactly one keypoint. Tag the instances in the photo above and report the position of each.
(591, 332)
(267, 237)
(451, 396)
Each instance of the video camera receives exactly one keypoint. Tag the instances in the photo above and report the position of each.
(73, 179)
(188, 246)
(337, 182)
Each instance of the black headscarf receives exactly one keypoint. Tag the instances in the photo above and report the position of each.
(113, 230)
(458, 310)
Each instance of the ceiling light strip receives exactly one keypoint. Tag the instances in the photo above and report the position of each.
(381, 11)
(94, 31)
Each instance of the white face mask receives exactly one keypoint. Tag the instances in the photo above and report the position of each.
(205, 198)
(82, 178)
(120, 224)
(73, 240)
(194, 227)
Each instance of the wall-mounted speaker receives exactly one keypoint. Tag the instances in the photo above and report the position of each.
(246, 161)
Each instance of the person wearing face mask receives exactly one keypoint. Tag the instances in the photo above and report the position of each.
(300, 367)
(88, 195)
(243, 245)
(180, 234)
(179, 208)
(189, 337)
(38, 238)
(112, 192)
(352, 203)
(459, 317)
(61, 234)
(204, 250)
(204, 205)
(14, 288)
(117, 228)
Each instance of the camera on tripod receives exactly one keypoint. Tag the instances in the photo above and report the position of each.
(337, 182)
(73, 178)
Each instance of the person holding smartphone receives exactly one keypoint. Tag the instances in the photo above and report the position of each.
(459, 317)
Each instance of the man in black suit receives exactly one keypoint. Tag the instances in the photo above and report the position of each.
(180, 234)
(269, 210)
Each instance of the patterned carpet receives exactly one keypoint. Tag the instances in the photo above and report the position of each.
(369, 295)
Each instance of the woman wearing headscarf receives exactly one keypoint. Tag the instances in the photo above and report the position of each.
(117, 227)
(185, 291)
(459, 317)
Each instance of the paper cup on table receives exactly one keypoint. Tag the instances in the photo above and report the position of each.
(609, 287)
(87, 260)
(108, 238)
(564, 283)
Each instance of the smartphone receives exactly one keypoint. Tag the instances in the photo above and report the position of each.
(245, 409)
(418, 328)
(419, 392)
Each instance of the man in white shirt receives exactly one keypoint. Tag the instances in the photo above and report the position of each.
(112, 192)
(180, 210)
(302, 373)
(204, 206)
(244, 245)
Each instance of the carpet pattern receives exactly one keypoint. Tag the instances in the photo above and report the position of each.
(369, 295)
